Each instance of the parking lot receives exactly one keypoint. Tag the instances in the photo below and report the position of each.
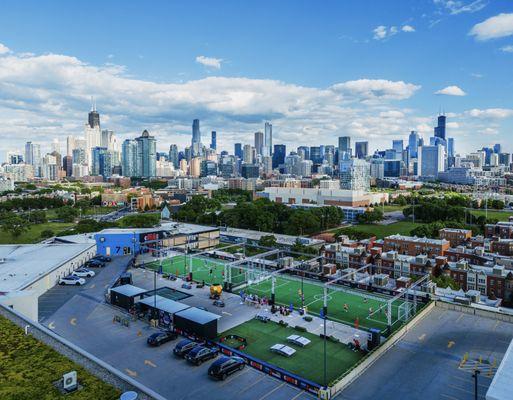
(86, 321)
(59, 295)
(425, 364)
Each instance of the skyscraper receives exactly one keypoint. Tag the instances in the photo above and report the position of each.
(450, 147)
(259, 142)
(413, 144)
(101, 162)
(33, 157)
(173, 155)
(213, 141)
(247, 156)
(128, 158)
(497, 148)
(238, 150)
(361, 149)
(196, 133)
(268, 139)
(279, 155)
(431, 161)
(398, 146)
(344, 147)
(146, 155)
(354, 174)
(440, 129)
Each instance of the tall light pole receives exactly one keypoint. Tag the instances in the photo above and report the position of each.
(325, 316)
(475, 375)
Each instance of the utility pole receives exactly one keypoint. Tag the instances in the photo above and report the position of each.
(475, 375)
(325, 316)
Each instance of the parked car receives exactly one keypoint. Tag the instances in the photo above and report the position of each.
(200, 354)
(183, 347)
(218, 303)
(159, 338)
(225, 366)
(102, 258)
(72, 280)
(93, 263)
(84, 273)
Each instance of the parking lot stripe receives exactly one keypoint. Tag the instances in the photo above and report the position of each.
(272, 391)
(130, 372)
(252, 384)
(449, 397)
(150, 363)
(297, 395)
(450, 344)
(422, 337)
(232, 377)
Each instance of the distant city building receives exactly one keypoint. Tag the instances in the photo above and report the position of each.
(250, 171)
(247, 154)
(259, 143)
(213, 141)
(268, 139)
(279, 153)
(129, 165)
(413, 144)
(238, 150)
(440, 128)
(361, 149)
(431, 161)
(398, 146)
(146, 155)
(344, 147)
(173, 155)
(354, 174)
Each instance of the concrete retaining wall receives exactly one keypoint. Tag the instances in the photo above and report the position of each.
(94, 365)
(376, 354)
(497, 315)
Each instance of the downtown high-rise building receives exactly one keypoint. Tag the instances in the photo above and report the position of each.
(196, 145)
(268, 139)
(213, 140)
(413, 144)
(173, 155)
(354, 174)
(237, 150)
(279, 154)
(440, 128)
(259, 142)
(361, 149)
(431, 161)
(33, 157)
(129, 158)
(344, 147)
(146, 155)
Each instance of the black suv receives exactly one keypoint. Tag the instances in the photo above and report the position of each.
(183, 347)
(102, 258)
(200, 354)
(160, 338)
(95, 263)
(225, 366)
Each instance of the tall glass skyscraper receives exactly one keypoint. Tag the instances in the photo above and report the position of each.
(238, 150)
(146, 155)
(279, 155)
(413, 144)
(259, 142)
(361, 149)
(173, 155)
(213, 141)
(344, 147)
(128, 158)
(440, 129)
(268, 139)
(196, 133)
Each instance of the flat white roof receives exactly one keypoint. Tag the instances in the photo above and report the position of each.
(173, 227)
(128, 290)
(23, 264)
(500, 388)
(164, 304)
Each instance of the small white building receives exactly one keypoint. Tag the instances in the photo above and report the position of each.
(29, 270)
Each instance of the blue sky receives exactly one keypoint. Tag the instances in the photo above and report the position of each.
(317, 70)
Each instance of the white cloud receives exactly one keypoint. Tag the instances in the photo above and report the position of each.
(491, 113)
(507, 49)
(210, 62)
(4, 49)
(457, 7)
(476, 75)
(382, 32)
(372, 89)
(494, 27)
(451, 91)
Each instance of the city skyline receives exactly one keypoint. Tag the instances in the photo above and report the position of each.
(140, 88)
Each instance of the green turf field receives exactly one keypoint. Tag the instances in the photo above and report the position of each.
(307, 362)
(205, 269)
(287, 291)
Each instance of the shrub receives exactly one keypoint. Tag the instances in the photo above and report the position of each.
(308, 318)
(300, 328)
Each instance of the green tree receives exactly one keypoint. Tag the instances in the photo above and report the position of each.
(67, 213)
(268, 241)
(47, 233)
(15, 225)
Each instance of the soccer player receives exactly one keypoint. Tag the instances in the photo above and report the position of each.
(346, 307)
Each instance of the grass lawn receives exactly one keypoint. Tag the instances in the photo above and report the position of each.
(391, 207)
(287, 291)
(203, 269)
(33, 235)
(498, 215)
(401, 227)
(28, 369)
(307, 362)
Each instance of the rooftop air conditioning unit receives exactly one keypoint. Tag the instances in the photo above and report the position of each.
(69, 381)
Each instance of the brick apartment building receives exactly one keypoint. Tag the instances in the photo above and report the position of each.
(504, 247)
(414, 246)
(503, 230)
(455, 237)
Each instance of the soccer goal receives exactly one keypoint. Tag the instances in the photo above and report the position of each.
(405, 311)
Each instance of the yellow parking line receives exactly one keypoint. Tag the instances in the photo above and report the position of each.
(450, 344)
(73, 321)
(130, 372)
(422, 337)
